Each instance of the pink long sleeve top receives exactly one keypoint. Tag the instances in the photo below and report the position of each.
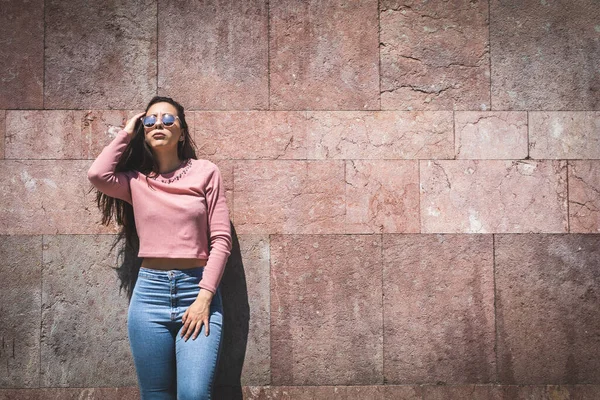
(178, 214)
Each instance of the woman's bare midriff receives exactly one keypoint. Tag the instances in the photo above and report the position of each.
(172, 263)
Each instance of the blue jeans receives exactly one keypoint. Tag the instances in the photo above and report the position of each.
(167, 366)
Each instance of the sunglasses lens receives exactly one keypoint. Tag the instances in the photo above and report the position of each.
(168, 119)
(149, 120)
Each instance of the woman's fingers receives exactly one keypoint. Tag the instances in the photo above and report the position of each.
(206, 325)
(188, 329)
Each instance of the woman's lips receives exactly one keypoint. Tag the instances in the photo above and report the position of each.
(159, 135)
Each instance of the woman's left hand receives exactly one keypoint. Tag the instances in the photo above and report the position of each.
(196, 315)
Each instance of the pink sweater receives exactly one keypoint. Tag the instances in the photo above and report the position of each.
(175, 215)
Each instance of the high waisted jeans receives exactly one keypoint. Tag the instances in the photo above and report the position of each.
(167, 366)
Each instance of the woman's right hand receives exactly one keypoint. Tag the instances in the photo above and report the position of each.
(131, 123)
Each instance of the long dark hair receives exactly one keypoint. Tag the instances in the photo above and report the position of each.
(137, 156)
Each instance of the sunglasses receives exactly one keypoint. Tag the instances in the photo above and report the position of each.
(167, 120)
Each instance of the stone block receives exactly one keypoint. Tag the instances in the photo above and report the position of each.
(285, 196)
(99, 54)
(545, 55)
(491, 134)
(60, 134)
(48, 197)
(251, 134)
(20, 308)
(489, 196)
(382, 196)
(84, 318)
(564, 134)
(438, 309)
(547, 302)
(584, 201)
(326, 317)
(380, 135)
(214, 54)
(434, 55)
(324, 55)
(22, 54)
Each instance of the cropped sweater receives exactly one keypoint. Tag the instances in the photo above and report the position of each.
(177, 214)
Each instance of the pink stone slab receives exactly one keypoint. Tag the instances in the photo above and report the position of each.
(438, 308)
(488, 196)
(214, 54)
(380, 135)
(326, 320)
(490, 134)
(545, 55)
(99, 56)
(584, 196)
(22, 54)
(257, 360)
(547, 306)
(2, 133)
(60, 134)
(84, 318)
(20, 293)
(382, 196)
(564, 134)
(285, 196)
(434, 55)
(324, 55)
(91, 393)
(251, 134)
(48, 197)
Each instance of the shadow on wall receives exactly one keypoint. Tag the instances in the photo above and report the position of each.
(236, 318)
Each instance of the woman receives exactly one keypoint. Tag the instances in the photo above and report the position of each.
(175, 220)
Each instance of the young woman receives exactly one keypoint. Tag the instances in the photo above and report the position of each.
(174, 218)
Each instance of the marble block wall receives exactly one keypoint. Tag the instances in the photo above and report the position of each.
(414, 188)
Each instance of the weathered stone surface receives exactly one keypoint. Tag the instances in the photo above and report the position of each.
(285, 196)
(323, 55)
(545, 55)
(278, 392)
(84, 319)
(251, 134)
(20, 307)
(564, 134)
(491, 134)
(214, 54)
(317, 339)
(99, 54)
(22, 54)
(434, 55)
(547, 306)
(348, 392)
(438, 308)
(379, 392)
(257, 362)
(60, 134)
(584, 201)
(2, 133)
(487, 196)
(103, 393)
(382, 196)
(380, 135)
(48, 197)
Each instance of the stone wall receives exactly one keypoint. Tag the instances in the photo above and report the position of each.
(414, 189)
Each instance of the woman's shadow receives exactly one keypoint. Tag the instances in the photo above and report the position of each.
(236, 319)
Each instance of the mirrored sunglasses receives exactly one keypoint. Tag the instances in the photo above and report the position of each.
(167, 120)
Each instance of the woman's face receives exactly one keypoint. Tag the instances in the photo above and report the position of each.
(160, 137)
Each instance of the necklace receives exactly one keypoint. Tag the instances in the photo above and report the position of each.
(187, 164)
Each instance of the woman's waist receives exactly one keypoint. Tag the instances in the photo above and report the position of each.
(163, 263)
